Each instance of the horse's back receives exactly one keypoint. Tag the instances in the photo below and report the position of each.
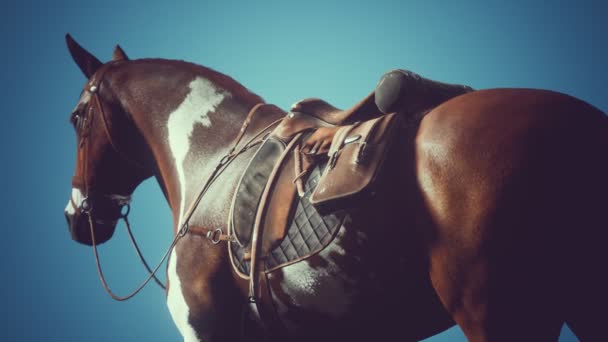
(478, 148)
(514, 181)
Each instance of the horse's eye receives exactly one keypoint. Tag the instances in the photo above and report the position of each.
(78, 122)
(73, 116)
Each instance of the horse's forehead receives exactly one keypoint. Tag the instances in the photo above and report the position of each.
(83, 100)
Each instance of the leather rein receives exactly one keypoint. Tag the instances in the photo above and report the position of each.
(215, 236)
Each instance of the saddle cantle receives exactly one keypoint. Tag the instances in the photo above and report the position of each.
(405, 91)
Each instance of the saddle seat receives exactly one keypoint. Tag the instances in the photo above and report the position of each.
(322, 110)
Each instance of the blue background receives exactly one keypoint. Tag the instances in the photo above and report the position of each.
(283, 51)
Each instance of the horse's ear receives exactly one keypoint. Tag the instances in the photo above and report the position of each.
(84, 59)
(119, 54)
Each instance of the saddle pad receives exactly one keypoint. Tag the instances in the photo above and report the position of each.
(251, 187)
(308, 233)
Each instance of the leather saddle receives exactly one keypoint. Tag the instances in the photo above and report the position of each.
(290, 201)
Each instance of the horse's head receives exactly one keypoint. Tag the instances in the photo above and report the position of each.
(108, 163)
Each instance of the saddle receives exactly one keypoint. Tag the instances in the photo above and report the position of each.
(318, 163)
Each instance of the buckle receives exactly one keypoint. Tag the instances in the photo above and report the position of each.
(215, 236)
(85, 206)
(125, 209)
(351, 139)
(183, 230)
(333, 159)
(362, 154)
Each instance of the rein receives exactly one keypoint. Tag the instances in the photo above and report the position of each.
(215, 236)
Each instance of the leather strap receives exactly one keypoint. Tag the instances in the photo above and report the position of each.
(94, 89)
(264, 312)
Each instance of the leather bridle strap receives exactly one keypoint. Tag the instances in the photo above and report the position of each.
(140, 255)
(214, 235)
(94, 89)
(143, 284)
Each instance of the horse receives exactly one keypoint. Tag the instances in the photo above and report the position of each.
(490, 214)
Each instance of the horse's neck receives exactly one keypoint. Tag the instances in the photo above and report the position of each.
(189, 128)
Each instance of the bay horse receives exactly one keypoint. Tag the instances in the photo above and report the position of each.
(492, 216)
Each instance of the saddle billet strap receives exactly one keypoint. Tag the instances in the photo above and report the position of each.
(304, 162)
(302, 167)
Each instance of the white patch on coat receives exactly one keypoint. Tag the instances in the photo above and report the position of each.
(77, 197)
(300, 281)
(202, 100)
(177, 303)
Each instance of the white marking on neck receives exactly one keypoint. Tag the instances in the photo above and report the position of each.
(77, 197)
(202, 100)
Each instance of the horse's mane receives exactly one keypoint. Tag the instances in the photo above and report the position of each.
(222, 80)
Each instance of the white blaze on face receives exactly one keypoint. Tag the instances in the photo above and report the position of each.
(202, 100)
(77, 197)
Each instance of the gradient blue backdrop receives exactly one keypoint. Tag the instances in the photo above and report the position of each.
(280, 50)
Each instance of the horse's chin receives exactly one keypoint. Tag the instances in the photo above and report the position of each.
(81, 231)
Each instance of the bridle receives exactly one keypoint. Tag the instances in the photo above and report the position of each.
(215, 236)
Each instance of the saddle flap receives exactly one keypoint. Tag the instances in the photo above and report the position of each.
(280, 206)
(251, 187)
(356, 157)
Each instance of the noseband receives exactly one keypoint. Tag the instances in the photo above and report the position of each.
(215, 236)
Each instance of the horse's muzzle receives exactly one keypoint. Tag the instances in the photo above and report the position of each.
(80, 230)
